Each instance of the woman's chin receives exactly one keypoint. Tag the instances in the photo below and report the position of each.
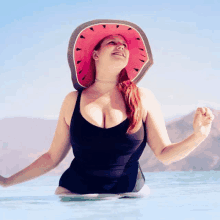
(118, 68)
(119, 63)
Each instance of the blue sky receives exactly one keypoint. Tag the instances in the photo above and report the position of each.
(34, 72)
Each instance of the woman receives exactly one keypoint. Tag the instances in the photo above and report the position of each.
(109, 120)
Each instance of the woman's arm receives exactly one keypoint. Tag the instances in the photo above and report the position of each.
(39, 167)
(157, 135)
(59, 148)
(202, 125)
(178, 151)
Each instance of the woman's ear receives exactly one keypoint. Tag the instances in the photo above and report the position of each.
(95, 55)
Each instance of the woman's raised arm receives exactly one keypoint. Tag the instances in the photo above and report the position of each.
(157, 135)
(59, 148)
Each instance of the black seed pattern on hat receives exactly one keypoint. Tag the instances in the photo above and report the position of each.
(143, 55)
(80, 71)
(117, 26)
(79, 61)
(138, 38)
(136, 69)
(104, 25)
(83, 77)
(141, 49)
(142, 60)
(129, 29)
(77, 49)
(91, 29)
(82, 36)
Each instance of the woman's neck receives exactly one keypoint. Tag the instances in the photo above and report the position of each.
(103, 88)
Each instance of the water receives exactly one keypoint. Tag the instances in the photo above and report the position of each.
(174, 195)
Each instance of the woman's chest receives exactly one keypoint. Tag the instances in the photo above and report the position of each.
(105, 111)
(103, 114)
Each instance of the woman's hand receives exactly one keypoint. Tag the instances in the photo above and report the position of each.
(203, 121)
(3, 181)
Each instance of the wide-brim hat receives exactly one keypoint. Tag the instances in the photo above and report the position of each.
(87, 35)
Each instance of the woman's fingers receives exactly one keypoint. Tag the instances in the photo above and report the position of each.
(205, 112)
(203, 115)
(209, 114)
(200, 110)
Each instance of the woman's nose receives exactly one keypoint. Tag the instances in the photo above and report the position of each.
(120, 45)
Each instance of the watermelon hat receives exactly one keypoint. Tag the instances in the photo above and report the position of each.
(87, 35)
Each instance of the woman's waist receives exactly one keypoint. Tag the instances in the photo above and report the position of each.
(111, 171)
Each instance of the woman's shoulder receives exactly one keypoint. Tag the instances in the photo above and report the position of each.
(69, 105)
(146, 94)
(71, 97)
(72, 94)
(148, 101)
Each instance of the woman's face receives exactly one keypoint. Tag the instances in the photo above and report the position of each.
(113, 51)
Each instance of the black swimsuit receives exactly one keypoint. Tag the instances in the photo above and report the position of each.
(106, 160)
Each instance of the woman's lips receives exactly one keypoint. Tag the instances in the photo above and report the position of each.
(119, 54)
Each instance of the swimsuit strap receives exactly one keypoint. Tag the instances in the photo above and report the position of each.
(77, 107)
